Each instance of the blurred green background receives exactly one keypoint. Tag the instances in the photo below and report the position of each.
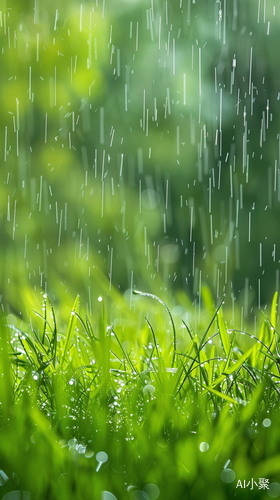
(139, 147)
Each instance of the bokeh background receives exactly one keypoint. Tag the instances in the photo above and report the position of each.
(140, 148)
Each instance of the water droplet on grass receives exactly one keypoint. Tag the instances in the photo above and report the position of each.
(266, 422)
(149, 388)
(131, 487)
(72, 443)
(101, 458)
(106, 495)
(204, 447)
(274, 490)
(139, 495)
(99, 299)
(81, 449)
(89, 453)
(152, 491)
(228, 475)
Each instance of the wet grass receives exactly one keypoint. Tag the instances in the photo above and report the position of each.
(139, 407)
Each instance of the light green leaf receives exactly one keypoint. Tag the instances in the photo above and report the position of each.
(217, 393)
(274, 307)
(223, 333)
(239, 362)
(71, 327)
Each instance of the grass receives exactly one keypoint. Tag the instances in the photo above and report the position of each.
(141, 407)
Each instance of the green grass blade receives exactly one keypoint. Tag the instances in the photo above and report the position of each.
(126, 356)
(270, 356)
(223, 333)
(53, 344)
(274, 308)
(6, 390)
(145, 294)
(217, 393)
(210, 325)
(45, 319)
(239, 362)
(70, 329)
(211, 365)
(153, 334)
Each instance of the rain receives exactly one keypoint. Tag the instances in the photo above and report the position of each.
(140, 179)
(146, 145)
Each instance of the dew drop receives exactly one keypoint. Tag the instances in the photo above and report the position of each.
(274, 490)
(266, 422)
(204, 447)
(101, 458)
(149, 388)
(72, 443)
(89, 453)
(106, 495)
(152, 491)
(81, 449)
(228, 475)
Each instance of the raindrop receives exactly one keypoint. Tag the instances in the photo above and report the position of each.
(72, 443)
(89, 453)
(228, 475)
(81, 449)
(274, 490)
(106, 495)
(99, 299)
(101, 458)
(152, 491)
(131, 487)
(148, 389)
(266, 422)
(204, 447)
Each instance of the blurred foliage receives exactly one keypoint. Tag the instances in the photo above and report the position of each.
(140, 138)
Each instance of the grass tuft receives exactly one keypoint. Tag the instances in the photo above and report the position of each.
(95, 385)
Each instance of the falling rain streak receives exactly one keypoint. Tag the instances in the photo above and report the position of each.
(165, 129)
